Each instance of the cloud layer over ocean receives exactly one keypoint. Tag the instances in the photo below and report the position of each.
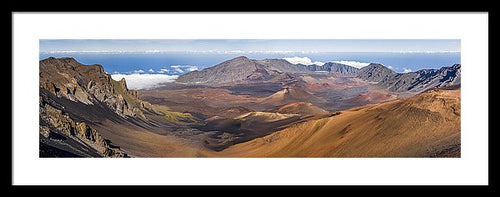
(353, 63)
(138, 81)
(302, 60)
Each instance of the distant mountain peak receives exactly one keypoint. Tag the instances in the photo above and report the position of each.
(377, 65)
(372, 66)
(231, 71)
(375, 72)
(239, 58)
(242, 70)
(237, 61)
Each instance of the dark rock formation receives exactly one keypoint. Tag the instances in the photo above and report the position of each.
(54, 122)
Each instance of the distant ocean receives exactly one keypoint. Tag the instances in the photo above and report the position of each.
(174, 64)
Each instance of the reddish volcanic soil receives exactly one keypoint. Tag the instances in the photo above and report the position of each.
(426, 125)
(373, 97)
(332, 83)
(302, 108)
(206, 101)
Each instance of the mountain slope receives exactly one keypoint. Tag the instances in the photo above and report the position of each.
(423, 79)
(85, 113)
(415, 82)
(89, 84)
(244, 70)
(291, 95)
(339, 68)
(302, 108)
(72, 97)
(245, 127)
(425, 125)
(284, 66)
(236, 70)
(375, 73)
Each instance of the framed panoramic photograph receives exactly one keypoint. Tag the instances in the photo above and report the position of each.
(251, 98)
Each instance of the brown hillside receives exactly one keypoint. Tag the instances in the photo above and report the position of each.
(291, 95)
(425, 125)
(302, 108)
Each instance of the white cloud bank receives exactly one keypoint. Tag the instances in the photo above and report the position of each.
(178, 70)
(302, 60)
(193, 68)
(138, 71)
(163, 70)
(182, 68)
(144, 81)
(353, 63)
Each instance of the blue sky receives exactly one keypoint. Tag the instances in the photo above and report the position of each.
(249, 45)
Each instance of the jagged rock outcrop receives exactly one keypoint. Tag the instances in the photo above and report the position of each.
(67, 78)
(62, 123)
(65, 127)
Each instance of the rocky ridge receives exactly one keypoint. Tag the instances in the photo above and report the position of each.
(65, 77)
(417, 81)
(423, 79)
(66, 87)
(332, 67)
